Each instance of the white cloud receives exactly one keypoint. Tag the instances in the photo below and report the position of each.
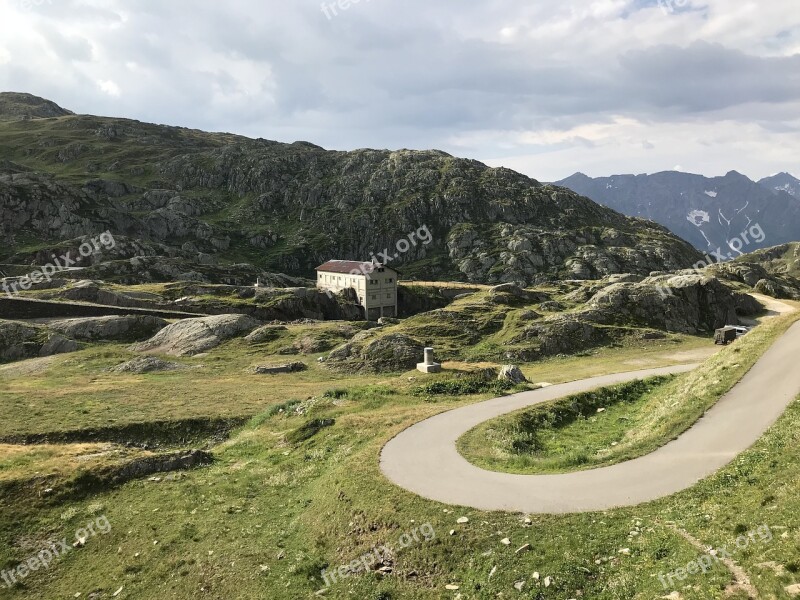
(109, 87)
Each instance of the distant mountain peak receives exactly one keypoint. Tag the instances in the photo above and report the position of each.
(782, 182)
(18, 106)
(729, 215)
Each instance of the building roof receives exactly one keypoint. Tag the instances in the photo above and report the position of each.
(349, 267)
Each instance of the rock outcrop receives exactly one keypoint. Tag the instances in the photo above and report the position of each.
(146, 364)
(194, 336)
(123, 329)
(684, 303)
(389, 353)
(19, 341)
(267, 333)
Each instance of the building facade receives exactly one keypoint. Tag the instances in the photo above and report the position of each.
(374, 284)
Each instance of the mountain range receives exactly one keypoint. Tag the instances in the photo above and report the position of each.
(722, 216)
(191, 205)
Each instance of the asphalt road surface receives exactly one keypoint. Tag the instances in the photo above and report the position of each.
(423, 459)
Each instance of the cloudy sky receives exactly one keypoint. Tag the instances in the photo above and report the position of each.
(545, 87)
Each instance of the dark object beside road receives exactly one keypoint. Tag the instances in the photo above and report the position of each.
(725, 336)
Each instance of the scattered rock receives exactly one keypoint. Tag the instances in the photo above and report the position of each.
(294, 367)
(462, 521)
(513, 374)
(793, 590)
(146, 364)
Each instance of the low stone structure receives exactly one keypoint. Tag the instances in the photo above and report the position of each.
(429, 365)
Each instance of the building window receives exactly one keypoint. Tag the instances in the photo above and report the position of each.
(390, 280)
(374, 297)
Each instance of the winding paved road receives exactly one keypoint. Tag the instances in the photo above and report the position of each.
(423, 459)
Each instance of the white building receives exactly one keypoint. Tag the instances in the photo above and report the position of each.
(375, 285)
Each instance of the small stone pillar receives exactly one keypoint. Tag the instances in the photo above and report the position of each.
(430, 365)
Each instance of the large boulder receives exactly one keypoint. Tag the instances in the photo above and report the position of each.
(193, 336)
(390, 353)
(513, 374)
(128, 328)
(562, 334)
(57, 344)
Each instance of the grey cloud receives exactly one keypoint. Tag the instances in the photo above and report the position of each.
(706, 77)
(386, 73)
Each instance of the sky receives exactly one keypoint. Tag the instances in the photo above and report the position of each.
(547, 88)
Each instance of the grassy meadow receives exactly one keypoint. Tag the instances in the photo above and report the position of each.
(296, 489)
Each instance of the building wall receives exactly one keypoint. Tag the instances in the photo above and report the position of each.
(377, 291)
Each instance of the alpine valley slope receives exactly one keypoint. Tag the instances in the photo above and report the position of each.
(189, 197)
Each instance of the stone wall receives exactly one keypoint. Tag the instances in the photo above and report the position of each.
(23, 308)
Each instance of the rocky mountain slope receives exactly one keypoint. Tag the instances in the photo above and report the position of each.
(22, 107)
(772, 271)
(783, 182)
(730, 215)
(185, 198)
